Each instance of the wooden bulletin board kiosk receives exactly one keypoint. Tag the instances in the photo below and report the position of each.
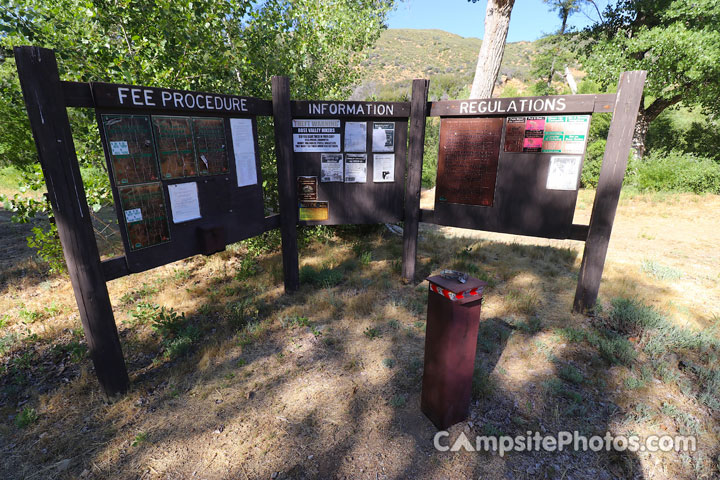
(185, 169)
(513, 165)
(185, 174)
(349, 160)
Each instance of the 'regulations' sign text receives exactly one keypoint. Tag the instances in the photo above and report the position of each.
(556, 104)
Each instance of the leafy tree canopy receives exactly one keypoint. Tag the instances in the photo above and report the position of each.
(231, 46)
(676, 41)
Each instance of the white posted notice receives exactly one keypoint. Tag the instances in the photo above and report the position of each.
(331, 167)
(184, 202)
(316, 135)
(244, 147)
(383, 136)
(563, 173)
(384, 167)
(355, 167)
(355, 136)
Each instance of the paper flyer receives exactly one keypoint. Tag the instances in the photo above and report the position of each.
(383, 167)
(355, 168)
(244, 148)
(355, 136)
(331, 167)
(184, 202)
(564, 172)
(383, 136)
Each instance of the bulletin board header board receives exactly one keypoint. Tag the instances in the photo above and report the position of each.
(511, 165)
(349, 160)
(184, 169)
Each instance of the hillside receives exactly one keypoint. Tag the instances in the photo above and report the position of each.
(403, 54)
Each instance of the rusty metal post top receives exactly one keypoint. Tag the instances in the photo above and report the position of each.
(452, 288)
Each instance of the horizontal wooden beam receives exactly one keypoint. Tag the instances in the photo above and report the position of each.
(579, 232)
(77, 94)
(121, 96)
(550, 105)
(272, 222)
(427, 216)
(114, 268)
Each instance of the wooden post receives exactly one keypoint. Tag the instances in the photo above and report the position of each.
(40, 82)
(418, 115)
(286, 181)
(627, 103)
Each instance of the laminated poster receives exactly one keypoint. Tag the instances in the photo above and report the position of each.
(331, 167)
(313, 211)
(316, 135)
(146, 220)
(307, 188)
(175, 147)
(132, 150)
(210, 146)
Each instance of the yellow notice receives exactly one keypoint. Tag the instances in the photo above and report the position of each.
(313, 211)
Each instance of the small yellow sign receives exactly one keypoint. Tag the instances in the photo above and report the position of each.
(313, 211)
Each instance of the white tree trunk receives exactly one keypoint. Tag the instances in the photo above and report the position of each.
(570, 80)
(497, 22)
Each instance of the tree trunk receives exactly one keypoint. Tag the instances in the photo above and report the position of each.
(565, 15)
(497, 22)
(644, 118)
(642, 124)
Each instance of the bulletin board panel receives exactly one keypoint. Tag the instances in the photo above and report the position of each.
(332, 194)
(174, 171)
(512, 165)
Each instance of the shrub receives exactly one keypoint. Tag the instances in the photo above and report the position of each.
(675, 171)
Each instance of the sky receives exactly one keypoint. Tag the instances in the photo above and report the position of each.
(530, 19)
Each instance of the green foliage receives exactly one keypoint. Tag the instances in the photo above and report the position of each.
(177, 334)
(26, 417)
(232, 47)
(631, 317)
(323, 277)
(265, 243)
(296, 321)
(430, 155)
(372, 333)
(241, 312)
(674, 171)
(571, 374)
(139, 439)
(168, 323)
(659, 271)
(676, 42)
(47, 245)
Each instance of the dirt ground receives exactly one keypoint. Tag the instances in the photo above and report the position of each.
(326, 383)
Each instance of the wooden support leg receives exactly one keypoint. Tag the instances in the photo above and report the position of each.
(40, 82)
(418, 115)
(286, 181)
(627, 103)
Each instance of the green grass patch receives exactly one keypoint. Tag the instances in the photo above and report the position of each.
(323, 277)
(659, 271)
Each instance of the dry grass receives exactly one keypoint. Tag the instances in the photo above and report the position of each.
(325, 383)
